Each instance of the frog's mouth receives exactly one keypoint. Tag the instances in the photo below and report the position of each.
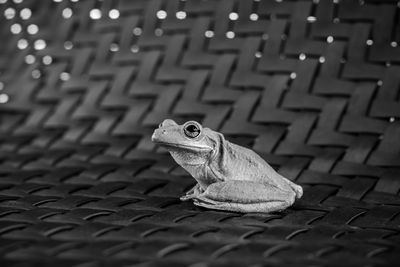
(183, 146)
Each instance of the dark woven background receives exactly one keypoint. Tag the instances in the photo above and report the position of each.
(312, 86)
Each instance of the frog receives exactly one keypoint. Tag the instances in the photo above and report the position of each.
(229, 177)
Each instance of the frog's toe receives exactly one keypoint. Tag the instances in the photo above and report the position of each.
(186, 197)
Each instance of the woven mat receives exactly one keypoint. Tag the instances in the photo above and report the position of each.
(312, 86)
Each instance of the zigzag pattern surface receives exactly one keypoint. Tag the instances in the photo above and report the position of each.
(311, 86)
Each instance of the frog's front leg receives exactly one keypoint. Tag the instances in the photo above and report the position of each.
(245, 196)
(195, 191)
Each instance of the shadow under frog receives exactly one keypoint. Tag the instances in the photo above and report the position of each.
(229, 177)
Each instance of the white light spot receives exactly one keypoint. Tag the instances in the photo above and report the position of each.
(293, 75)
(33, 29)
(393, 44)
(47, 60)
(36, 74)
(321, 59)
(114, 47)
(25, 13)
(3, 1)
(1, 86)
(67, 13)
(388, 64)
(315, 1)
(230, 35)
(40, 44)
(135, 48)
(311, 19)
(181, 15)
(302, 56)
(137, 31)
(30, 59)
(330, 39)
(22, 44)
(392, 119)
(68, 45)
(113, 14)
(57, 1)
(18, 1)
(9, 13)
(95, 13)
(369, 42)
(65, 76)
(253, 17)
(158, 32)
(233, 16)
(16, 28)
(336, 1)
(209, 34)
(379, 83)
(161, 14)
(258, 54)
(4, 98)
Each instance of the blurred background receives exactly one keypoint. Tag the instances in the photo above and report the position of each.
(311, 86)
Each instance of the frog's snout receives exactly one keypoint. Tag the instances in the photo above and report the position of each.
(159, 135)
(161, 130)
(153, 136)
(156, 135)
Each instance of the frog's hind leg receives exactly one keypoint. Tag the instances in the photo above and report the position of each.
(245, 196)
(239, 207)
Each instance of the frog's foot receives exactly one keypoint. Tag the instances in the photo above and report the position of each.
(245, 196)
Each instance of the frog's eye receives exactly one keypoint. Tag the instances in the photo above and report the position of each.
(192, 129)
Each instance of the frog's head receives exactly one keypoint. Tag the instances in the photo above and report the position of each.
(189, 143)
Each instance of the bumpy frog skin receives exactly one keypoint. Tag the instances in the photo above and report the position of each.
(229, 177)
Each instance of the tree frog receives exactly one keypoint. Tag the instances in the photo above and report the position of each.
(229, 177)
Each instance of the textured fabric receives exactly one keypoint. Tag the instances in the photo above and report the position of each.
(311, 86)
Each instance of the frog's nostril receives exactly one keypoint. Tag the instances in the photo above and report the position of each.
(160, 125)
